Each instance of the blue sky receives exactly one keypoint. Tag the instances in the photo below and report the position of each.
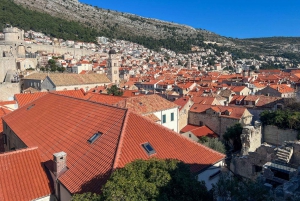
(231, 18)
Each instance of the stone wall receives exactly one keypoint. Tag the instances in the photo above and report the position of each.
(59, 50)
(184, 115)
(274, 135)
(8, 90)
(6, 64)
(296, 153)
(214, 122)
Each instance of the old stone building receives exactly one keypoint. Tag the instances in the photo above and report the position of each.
(218, 118)
(184, 103)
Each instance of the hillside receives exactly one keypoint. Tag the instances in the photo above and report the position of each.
(70, 15)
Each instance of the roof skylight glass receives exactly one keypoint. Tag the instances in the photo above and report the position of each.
(148, 148)
(94, 137)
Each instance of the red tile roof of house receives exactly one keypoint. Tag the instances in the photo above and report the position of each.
(68, 125)
(199, 131)
(181, 102)
(152, 117)
(204, 100)
(24, 99)
(165, 142)
(131, 93)
(3, 111)
(148, 104)
(283, 88)
(237, 112)
(22, 176)
(237, 88)
(106, 99)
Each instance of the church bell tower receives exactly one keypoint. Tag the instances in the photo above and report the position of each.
(113, 67)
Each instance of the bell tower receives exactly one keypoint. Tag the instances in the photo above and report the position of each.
(113, 67)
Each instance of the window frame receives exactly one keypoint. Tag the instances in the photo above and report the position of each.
(164, 118)
(172, 116)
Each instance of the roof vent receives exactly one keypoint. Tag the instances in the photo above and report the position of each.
(94, 137)
(31, 106)
(148, 148)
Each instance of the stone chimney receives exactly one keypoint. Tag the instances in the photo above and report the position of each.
(60, 163)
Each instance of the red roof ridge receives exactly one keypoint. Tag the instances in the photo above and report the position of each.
(81, 99)
(18, 151)
(120, 142)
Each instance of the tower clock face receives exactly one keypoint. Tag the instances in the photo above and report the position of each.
(115, 72)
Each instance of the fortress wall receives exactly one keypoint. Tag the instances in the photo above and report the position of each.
(276, 136)
(6, 63)
(60, 50)
(9, 90)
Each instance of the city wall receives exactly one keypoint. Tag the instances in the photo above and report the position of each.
(58, 49)
(6, 64)
(8, 90)
(275, 136)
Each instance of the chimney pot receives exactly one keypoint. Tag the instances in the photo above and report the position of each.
(60, 163)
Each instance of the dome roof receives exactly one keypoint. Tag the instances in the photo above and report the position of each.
(111, 51)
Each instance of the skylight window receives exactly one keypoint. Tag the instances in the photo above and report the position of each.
(148, 148)
(94, 137)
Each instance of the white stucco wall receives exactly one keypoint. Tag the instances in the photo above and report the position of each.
(205, 175)
(173, 125)
(46, 198)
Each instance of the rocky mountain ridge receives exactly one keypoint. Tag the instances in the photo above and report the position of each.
(124, 24)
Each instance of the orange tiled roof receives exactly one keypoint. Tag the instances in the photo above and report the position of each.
(106, 99)
(199, 131)
(283, 88)
(165, 142)
(24, 99)
(152, 117)
(237, 112)
(148, 104)
(181, 102)
(22, 176)
(90, 165)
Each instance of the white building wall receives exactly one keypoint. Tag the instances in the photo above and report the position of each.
(173, 125)
(46, 198)
(205, 175)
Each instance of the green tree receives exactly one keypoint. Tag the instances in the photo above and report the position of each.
(86, 197)
(114, 90)
(233, 134)
(154, 179)
(213, 143)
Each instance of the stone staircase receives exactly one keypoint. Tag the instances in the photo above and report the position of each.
(284, 154)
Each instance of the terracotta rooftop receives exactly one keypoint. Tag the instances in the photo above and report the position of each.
(283, 88)
(22, 176)
(104, 98)
(181, 102)
(237, 112)
(166, 143)
(148, 104)
(205, 100)
(199, 131)
(23, 99)
(68, 125)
